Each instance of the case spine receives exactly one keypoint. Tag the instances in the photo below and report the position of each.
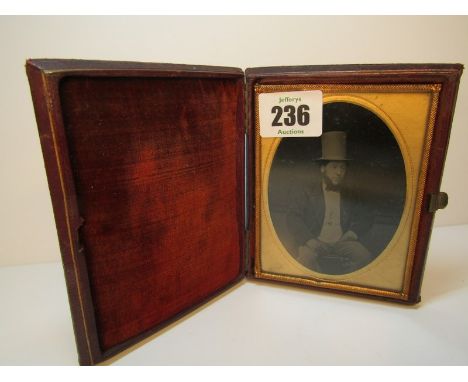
(249, 179)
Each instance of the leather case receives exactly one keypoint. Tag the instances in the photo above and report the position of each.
(152, 171)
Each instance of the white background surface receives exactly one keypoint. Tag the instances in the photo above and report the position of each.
(261, 324)
(27, 229)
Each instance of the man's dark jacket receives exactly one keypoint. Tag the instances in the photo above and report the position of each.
(307, 210)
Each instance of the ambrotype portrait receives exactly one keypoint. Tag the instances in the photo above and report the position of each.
(336, 201)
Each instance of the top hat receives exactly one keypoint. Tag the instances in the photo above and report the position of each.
(334, 146)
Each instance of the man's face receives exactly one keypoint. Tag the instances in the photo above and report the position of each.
(334, 172)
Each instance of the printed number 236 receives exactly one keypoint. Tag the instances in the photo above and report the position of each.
(301, 115)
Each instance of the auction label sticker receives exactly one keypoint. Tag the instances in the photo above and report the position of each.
(291, 114)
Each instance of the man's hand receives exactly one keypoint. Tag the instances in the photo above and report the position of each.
(313, 244)
(349, 236)
(308, 257)
(317, 247)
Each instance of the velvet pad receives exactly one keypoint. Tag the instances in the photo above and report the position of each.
(157, 165)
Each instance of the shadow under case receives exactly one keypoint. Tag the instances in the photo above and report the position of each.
(165, 194)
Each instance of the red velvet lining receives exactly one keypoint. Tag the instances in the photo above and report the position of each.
(157, 164)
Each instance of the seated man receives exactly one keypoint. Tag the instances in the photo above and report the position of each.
(326, 220)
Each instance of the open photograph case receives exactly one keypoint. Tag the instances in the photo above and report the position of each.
(165, 193)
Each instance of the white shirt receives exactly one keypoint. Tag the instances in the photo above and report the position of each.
(331, 228)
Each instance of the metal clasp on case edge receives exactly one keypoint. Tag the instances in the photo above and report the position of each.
(437, 201)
